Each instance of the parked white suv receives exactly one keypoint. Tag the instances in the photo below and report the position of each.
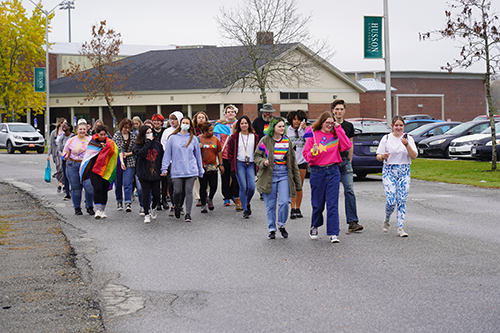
(22, 137)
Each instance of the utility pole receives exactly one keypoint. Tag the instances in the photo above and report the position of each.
(69, 5)
(388, 93)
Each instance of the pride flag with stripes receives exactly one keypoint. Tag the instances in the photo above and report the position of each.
(106, 160)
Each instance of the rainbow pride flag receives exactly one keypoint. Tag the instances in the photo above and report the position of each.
(106, 160)
(262, 147)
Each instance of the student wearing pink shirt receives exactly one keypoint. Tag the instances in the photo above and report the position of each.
(322, 152)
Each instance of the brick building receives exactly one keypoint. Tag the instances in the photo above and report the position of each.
(456, 96)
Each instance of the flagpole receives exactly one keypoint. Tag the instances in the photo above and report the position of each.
(388, 98)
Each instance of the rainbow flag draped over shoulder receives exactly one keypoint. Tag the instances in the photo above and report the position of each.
(262, 147)
(106, 160)
(308, 133)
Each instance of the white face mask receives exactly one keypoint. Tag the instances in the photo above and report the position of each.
(185, 127)
(149, 136)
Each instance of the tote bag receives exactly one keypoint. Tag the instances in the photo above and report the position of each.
(47, 172)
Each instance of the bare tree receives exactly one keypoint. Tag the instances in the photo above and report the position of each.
(474, 24)
(263, 35)
(102, 80)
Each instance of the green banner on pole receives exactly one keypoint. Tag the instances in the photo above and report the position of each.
(373, 37)
(39, 79)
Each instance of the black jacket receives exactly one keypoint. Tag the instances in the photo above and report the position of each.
(149, 159)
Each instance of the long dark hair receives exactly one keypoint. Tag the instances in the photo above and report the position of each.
(237, 127)
(141, 136)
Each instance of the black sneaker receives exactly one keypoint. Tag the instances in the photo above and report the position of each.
(90, 210)
(249, 210)
(67, 197)
(119, 205)
(165, 204)
(272, 235)
(177, 213)
(283, 232)
(78, 211)
(59, 188)
(298, 213)
(159, 206)
(187, 218)
(246, 214)
(293, 214)
(210, 204)
(354, 226)
(313, 233)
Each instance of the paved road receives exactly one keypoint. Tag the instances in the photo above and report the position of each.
(221, 274)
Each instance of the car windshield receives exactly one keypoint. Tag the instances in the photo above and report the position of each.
(22, 128)
(488, 130)
(421, 129)
(459, 129)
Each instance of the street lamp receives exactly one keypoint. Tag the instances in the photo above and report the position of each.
(47, 108)
(69, 5)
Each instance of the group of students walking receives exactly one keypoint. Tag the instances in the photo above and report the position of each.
(181, 163)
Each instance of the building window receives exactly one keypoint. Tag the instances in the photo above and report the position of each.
(294, 95)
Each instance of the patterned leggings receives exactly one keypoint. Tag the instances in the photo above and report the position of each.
(396, 180)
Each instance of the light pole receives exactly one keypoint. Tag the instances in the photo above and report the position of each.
(47, 108)
(69, 5)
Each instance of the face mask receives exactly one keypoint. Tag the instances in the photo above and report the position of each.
(185, 127)
(149, 136)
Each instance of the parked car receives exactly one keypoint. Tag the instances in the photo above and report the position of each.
(431, 129)
(461, 147)
(371, 120)
(486, 117)
(416, 116)
(410, 125)
(482, 148)
(367, 136)
(22, 137)
(438, 146)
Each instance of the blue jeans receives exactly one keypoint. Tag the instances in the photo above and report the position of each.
(73, 174)
(138, 185)
(280, 194)
(346, 177)
(124, 184)
(246, 180)
(325, 184)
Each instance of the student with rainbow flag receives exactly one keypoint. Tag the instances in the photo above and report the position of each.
(325, 140)
(99, 164)
(278, 177)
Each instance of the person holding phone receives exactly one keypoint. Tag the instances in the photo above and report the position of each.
(396, 150)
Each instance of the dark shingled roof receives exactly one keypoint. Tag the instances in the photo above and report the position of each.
(169, 69)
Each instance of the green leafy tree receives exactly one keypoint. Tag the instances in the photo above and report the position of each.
(102, 79)
(475, 25)
(22, 42)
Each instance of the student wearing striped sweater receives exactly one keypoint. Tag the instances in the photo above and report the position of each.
(278, 178)
(322, 151)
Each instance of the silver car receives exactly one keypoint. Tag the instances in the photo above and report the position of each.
(22, 137)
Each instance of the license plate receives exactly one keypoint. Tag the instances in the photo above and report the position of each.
(452, 150)
(420, 151)
(373, 149)
(473, 151)
(31, 145)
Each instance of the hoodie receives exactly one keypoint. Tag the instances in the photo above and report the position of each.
(168, 131)
(185, 161)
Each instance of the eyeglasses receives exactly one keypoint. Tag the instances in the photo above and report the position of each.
(329, 123)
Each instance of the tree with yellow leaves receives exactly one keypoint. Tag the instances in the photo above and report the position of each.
(22, 41)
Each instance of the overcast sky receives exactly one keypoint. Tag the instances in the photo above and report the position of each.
(190, 22)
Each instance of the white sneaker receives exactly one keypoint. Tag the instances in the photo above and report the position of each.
(147, 219)
(97, 214)
(334, 239)
(402, 233)
(103, 215)
(386, 225)
(141, 211)
(154, 214)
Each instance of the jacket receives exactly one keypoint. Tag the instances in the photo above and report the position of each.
(265, 174)
(149, 158)
(232, 150)
(185, 161)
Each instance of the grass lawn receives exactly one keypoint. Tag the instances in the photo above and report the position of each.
(465, 172)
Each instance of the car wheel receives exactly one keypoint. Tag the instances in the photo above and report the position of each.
(10, 148)
(40, 150)
(361, 175)
(447, 152)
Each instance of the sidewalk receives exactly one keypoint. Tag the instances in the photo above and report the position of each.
(41, 289)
